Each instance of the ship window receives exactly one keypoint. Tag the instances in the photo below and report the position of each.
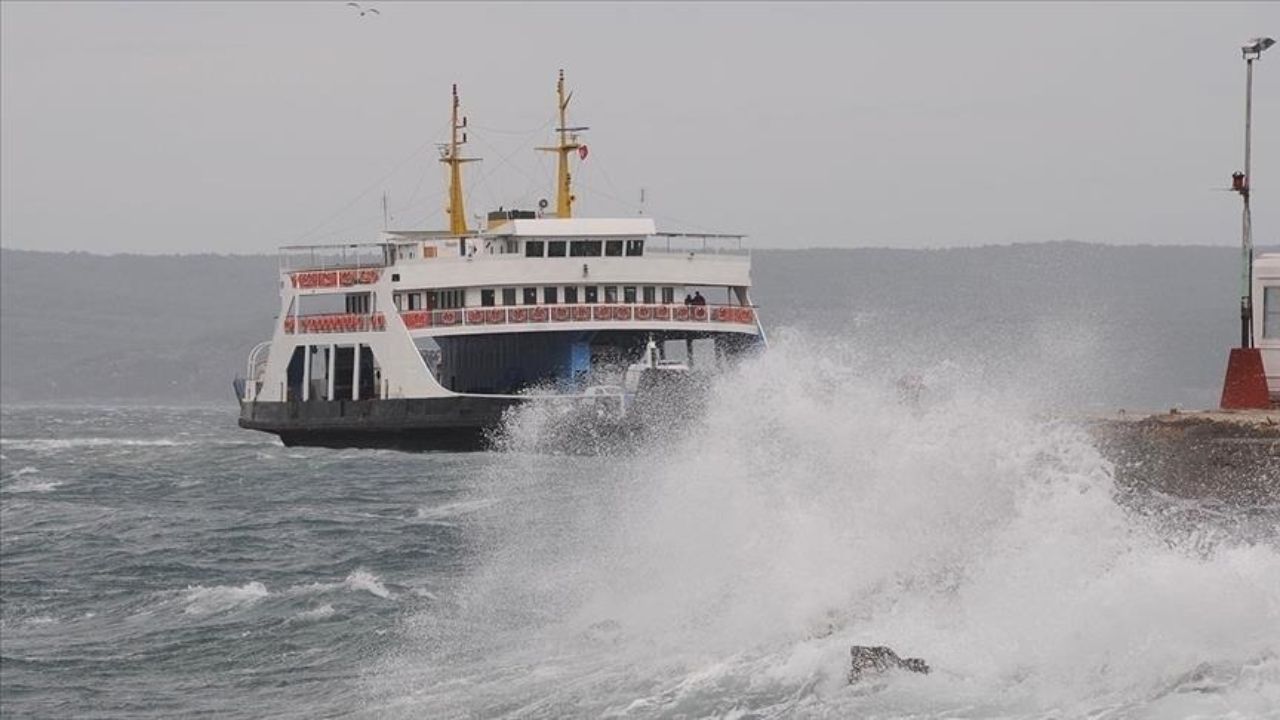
(486, 297)
(590, 294)
(585, 248)
(530, 296)
(611, 293)
(668, 295)
(629, 294)
(635, 248)
(613, 248)
(555, 248)
(508, 296)
(1271, 312)
(358, 303)
(398, 299)
(533, 248)
(649, 294)
(415, 301)
(570, 294)
(550, 295)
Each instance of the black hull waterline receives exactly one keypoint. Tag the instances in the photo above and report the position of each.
(450, 423)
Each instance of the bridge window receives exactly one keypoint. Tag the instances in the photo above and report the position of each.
(508, 296)
(415, 301)
(629, 294)
(570, 294)
(486, 297)
(611, 293)
(585, 248)
(550, 295)
(590, 293)
(556, 248)
(635, 248)
(613, 248)
(530, 296)
(1271, 312)
(668, 295)
(533, 248)
(649, 294)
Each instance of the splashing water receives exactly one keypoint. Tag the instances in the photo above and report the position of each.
(726, 572)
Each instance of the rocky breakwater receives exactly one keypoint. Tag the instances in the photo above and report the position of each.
(1228, 456)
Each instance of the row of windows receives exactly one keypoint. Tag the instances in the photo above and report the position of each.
(583, 248)
(553, 294)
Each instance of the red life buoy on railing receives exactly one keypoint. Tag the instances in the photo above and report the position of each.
(288, 324)
(495, 316)
(643, 312)
(367, 277)
(475, 317)
(622, 312)
(724, 314)
(560, 314)
(601, 312)
(681, 313)
(745, 315)
(539, 314)
(662, 312)
(699, 312)
(347, 278)
(449, 317)
(582, 313)
(379, 322)
(518, 315)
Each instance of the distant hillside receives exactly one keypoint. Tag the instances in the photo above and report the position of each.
(1131, 326)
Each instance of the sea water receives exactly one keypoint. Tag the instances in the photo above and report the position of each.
(161, 562)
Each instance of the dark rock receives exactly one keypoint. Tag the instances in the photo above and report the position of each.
(878, 659)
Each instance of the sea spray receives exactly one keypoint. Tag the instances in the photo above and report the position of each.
(729, 568)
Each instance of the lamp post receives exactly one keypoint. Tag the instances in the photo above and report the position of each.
(1245, 387)
(1240, 183)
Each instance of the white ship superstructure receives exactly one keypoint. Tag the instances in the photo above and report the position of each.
(424, 337)
(1266, 317)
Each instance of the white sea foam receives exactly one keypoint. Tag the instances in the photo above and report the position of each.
(33, 486)
(368, 582)
(810, 510)
(453, 509)
(51, 444)
(200, 600)
(314, 614)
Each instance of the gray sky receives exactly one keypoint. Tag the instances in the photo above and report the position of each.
(237, 127)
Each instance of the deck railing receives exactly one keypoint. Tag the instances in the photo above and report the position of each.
(334, 323)
(610, 312)
(523, 315)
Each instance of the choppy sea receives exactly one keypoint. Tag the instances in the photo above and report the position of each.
(160, 562)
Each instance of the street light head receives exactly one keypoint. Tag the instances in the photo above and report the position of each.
(1253, 49)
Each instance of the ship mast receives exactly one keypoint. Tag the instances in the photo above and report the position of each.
(449, 156)
(568, 143)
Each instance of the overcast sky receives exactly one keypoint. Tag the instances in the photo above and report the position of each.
(236, 127)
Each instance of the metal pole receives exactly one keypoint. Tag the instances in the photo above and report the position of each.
(1246, 238)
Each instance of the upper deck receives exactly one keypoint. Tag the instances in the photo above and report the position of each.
(528, 251)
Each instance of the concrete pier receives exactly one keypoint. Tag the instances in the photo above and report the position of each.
(1232, 456)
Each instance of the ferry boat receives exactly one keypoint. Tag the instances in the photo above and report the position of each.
(423, 339)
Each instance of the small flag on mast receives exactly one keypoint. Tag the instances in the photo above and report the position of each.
(582, 152)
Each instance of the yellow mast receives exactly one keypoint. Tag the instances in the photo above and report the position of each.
(568, 144)
(450, 157)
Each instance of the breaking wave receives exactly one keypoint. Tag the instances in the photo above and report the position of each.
(727, 570)
(200, 600)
